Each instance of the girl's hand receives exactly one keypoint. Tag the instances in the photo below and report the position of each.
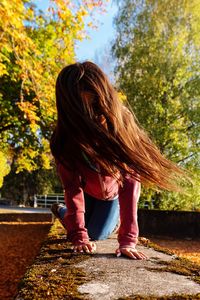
(90, 247)
(130, 252)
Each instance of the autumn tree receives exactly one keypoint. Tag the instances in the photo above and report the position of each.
(34, 46)
(157, 51)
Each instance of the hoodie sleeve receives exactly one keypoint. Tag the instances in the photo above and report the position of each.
(128, 198)
(74, 219)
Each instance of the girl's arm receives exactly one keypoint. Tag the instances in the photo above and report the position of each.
(74, 220)
(128, 197)
(128, 231)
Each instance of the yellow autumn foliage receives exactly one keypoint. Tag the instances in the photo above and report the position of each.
(4, 167)
(34, 47)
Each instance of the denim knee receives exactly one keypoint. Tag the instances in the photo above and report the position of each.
(97, 236)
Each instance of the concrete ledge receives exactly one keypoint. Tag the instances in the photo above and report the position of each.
(122, 278)
(60, 274)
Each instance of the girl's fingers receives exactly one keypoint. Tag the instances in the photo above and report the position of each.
(94, 247)
(130, 252)
(78, 248)
(143, 255)
(88, 248)
(118, 253)
(137, 255)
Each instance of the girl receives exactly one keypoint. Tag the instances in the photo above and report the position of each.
(102, 156)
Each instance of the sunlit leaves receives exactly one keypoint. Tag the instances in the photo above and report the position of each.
(25, 160)
(4, 167)
(157, 51)
(34, 46)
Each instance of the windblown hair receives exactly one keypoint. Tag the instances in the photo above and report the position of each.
(85, 100)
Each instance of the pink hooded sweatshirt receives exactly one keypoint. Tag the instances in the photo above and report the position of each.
(104, 187)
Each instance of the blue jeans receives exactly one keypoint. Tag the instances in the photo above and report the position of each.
(101, 217)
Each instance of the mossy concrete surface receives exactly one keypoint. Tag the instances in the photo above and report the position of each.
(53, 275)
(60, 274)
(162, 276)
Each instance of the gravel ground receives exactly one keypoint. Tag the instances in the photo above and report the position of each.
(19, 244)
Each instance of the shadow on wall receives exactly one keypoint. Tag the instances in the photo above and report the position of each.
(169, 223)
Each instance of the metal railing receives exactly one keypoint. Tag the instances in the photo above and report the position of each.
(46, 201)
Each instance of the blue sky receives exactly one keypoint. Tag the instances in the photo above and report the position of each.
(99, 38)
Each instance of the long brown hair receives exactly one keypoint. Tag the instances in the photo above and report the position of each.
(85, 97)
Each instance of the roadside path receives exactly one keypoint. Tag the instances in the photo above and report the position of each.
(16, 209)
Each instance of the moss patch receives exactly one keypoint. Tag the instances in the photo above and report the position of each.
(178, 265)
(53, 275)
(147, 243)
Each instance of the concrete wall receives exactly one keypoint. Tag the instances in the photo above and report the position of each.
(151, 222)
(25, 217)
(169, 223)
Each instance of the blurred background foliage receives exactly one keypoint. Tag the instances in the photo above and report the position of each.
(157, 51)
(34, 46)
